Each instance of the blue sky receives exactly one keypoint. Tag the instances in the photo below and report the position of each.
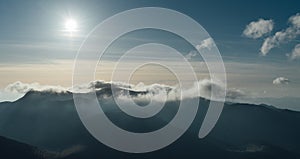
(39, 22)
(33, 47)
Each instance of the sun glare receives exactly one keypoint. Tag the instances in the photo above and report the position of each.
(71, 25)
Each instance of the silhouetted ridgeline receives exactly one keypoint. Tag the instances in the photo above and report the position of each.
(48, 121)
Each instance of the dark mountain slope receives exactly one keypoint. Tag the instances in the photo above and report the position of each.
(10, 149)
(50, 121)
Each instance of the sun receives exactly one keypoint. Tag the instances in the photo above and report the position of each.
(71, 25)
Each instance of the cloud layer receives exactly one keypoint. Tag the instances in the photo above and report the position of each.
(19, 87)
(207, 89)
(257, 29)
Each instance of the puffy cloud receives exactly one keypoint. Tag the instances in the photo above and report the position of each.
(16, 90)
(206, 44)
(295, 20)
(281, 80)
(296, 52)
(283, 36)
(213, 90)
(257, 29)
(207, 91)
(268, 44)
(235, 93)
(19, 87)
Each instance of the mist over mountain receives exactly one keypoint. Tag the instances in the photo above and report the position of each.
(48, 120)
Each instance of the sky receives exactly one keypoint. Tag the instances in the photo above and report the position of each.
(257, 40)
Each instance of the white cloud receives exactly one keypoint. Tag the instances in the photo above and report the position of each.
(191, 54)
(283, 36)
(296, 52)
(206, 44)
(281, 80)
(19, 87)
(268, 44)
(9, 96)
(207, 89)
(257, 29)
(213, 90)
(235, 93)
(295, 20)
(16, 90)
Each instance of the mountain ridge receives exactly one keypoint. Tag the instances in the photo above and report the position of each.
(51, 122)
(69, 93)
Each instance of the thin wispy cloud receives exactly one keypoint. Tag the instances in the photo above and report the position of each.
(190, 55)
(259, 28)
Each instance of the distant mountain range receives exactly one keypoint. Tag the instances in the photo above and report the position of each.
(49, 123)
